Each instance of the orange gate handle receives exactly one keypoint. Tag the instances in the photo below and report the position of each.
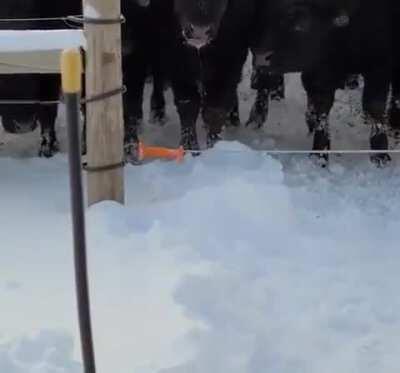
(146, 152)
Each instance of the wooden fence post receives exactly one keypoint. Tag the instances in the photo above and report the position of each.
(104, 118)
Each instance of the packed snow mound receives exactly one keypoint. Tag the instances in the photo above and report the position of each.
(44, 352)
(232, 261)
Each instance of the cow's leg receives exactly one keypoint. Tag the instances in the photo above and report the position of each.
(135, 71)
(47, 116)
(50, 88)
(376, 90)
(188, 102)
(278, 87)
(394, 109)
(133, 99)
(268, 86)
(215, 110)
(259, 111)
(320, 90)
(214, 117)
(157, 104)
(233, 118)
(221, 77)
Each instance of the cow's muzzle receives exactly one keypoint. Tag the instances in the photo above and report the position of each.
(198, 36)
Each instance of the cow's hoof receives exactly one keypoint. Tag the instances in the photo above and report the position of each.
(257, 118)
(233, 120)
(321, 160)
(394, 133)
(312, 121)
(158, 117)
(48, 148)
(277, 94)
(212, 139)
(381, 160)
(189, 141)
(321, 143)
(131, 153)
(131, 144)
(259, 112)
(255, 121)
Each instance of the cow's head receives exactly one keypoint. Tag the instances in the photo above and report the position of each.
(290, 34)
(200, 19)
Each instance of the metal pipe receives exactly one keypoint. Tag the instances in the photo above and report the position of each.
(71, 77)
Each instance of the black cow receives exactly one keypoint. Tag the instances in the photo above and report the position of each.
(226, 26)
(221, 30)
(327, 40)
(141, 42)
(33, 87)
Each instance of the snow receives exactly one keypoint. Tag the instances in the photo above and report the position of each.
(40, 40)
(45, 352)
(234, 261)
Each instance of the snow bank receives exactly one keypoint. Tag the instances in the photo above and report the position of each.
(40, 40)
(228, 263)
(231, 262)
(304, 278)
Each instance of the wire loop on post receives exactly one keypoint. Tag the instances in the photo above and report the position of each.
(104, 168)
(82, 20)
(104, 96)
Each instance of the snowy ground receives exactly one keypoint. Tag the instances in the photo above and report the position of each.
(231, 262)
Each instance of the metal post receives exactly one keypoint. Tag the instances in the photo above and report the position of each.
(71, 68)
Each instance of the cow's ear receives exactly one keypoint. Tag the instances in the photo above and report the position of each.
(341, 20)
